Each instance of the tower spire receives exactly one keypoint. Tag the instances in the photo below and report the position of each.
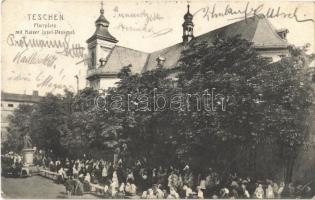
(100, 45)
(102, 25)
(102, 8)
(188, 26)
(102, 21)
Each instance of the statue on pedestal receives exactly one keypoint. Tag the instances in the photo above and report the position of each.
(27, 141)
(28, 151)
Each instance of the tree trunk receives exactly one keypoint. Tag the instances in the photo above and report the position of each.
(289, 169)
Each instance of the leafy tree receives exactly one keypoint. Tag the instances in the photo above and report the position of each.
(19, 126)
(230, 69)
(47, 117)
(266, 103)
(139, 125)
(290, 95)
(226, 95)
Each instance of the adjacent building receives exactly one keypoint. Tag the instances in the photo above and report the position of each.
(11, 101)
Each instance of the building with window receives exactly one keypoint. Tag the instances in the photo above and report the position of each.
(11, 101)
(107, 57)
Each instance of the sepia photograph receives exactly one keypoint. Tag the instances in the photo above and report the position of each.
(157, 99)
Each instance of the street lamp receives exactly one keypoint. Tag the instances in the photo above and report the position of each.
(77, 77)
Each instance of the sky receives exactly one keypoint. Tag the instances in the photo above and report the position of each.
(142, 25)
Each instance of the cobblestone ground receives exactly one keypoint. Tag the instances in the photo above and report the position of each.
(34, 187)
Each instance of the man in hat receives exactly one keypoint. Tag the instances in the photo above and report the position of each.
(188, 177)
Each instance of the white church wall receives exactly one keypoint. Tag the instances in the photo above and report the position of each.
(106, 83)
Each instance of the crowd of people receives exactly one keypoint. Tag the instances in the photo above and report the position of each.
(11, 164)
(119, 181)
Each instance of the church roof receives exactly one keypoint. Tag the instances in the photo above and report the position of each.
(171, 55)
(256, 29)
(122, 56)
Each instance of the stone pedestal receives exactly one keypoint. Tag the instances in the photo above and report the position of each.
(28, 156)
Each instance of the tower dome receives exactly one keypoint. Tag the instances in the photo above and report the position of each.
(101, 31)
(188, 26)
(102, 20)
(188, 15)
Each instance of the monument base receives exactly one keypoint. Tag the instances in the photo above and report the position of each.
(28, 156)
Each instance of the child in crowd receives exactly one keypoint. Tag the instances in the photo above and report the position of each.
(259, 192)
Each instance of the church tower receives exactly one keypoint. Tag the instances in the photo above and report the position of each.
(188, 27)
(100, 45)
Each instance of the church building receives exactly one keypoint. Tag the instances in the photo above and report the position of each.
(107, 57)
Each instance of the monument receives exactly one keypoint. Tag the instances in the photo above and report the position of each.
(28, 151)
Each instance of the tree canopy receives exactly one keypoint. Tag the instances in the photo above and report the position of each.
(219, 95)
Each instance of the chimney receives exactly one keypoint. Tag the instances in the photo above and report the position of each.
(160, 61)
(283, 33)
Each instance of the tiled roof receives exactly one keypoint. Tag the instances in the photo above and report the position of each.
(266, 36)
(256, 29)
(122, 56)
(171, 55)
